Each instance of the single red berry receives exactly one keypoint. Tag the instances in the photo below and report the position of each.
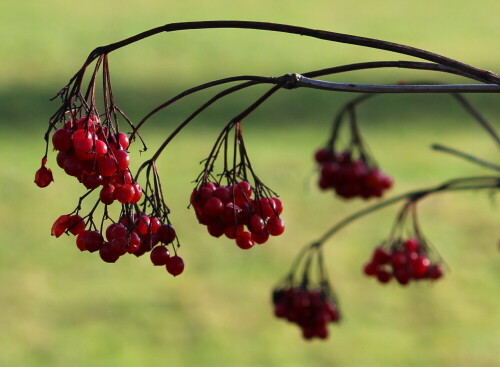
(381, 256)
(76, 225)
(159, 255)
(123, 140)
(122, 159)
(84, 149)
(61, 140)
(213, 207)
(137, 193)
(232, 231)
(124, 193)
(216, 230)
(256, 223)
(119, 245)
(260, 237)
(100, 149)
(166, 233)
(72, 166)
(411, 245)
(435, 271)
(92, 240)
(223, 194)
(275, 226)
(43, 177)
(175, 265)
(134, 242)
(79, 242)
(142, 224)
(107, 194)
(91, 181)
(60, 225)
(244, 240)
(398, 259)
(154, 225)
(383, 276)
(107, 166)
(107, 253)
(370, 269)
(116, 230)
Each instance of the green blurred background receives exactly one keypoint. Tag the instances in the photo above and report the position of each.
(60, 307)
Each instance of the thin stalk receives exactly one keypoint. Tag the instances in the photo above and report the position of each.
(414, 196)
(467, 157)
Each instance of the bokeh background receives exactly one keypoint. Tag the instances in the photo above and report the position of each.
(60, 307)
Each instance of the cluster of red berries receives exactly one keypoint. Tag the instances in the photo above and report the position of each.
(310, 309)
(136, 235)
(97, 157)
(225, 210)
(405, 261)
(350, 177)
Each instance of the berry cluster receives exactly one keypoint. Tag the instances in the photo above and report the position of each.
(350, 177)
(310, 309)
(405, 260)
(97, 157)
(135, 234)
(226, 210)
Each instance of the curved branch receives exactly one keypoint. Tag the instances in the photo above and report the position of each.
(452, 185)
(486, 76)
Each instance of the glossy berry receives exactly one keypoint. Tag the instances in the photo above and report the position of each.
(175, 265)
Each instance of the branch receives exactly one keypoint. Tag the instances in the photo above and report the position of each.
(302, 81)
(452, 185)
(486, 76)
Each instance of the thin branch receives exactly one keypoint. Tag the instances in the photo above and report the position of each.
(482, 121)
(487, 76)
(468, 157)
(452, 185)
(302, 81)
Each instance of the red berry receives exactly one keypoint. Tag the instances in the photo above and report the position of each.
(244, 240)
(213, 207)
(256, 223)
(142, 224)
(175, 265)
(411, 245)
(134, 242)
(435, 271)
(60, 225)
(61, 140)
(166, 233)
(123, 140)
(381, 256)
(233, 231)
(116, 230)
(137, 193)
(124, 193)
(76, 225)
(107, 166)
(107, 254)
(72, 166)
(84, 149)
(383, 276)
(370, 269)
(43, 177)
(260, 237)
(92, 240)
(122, 159)
(159, 255)
(275, 226)
(107, 194)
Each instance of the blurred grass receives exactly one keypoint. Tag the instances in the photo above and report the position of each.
(60, 307)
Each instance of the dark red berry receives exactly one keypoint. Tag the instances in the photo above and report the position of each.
(175, 265)
(159, 255)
